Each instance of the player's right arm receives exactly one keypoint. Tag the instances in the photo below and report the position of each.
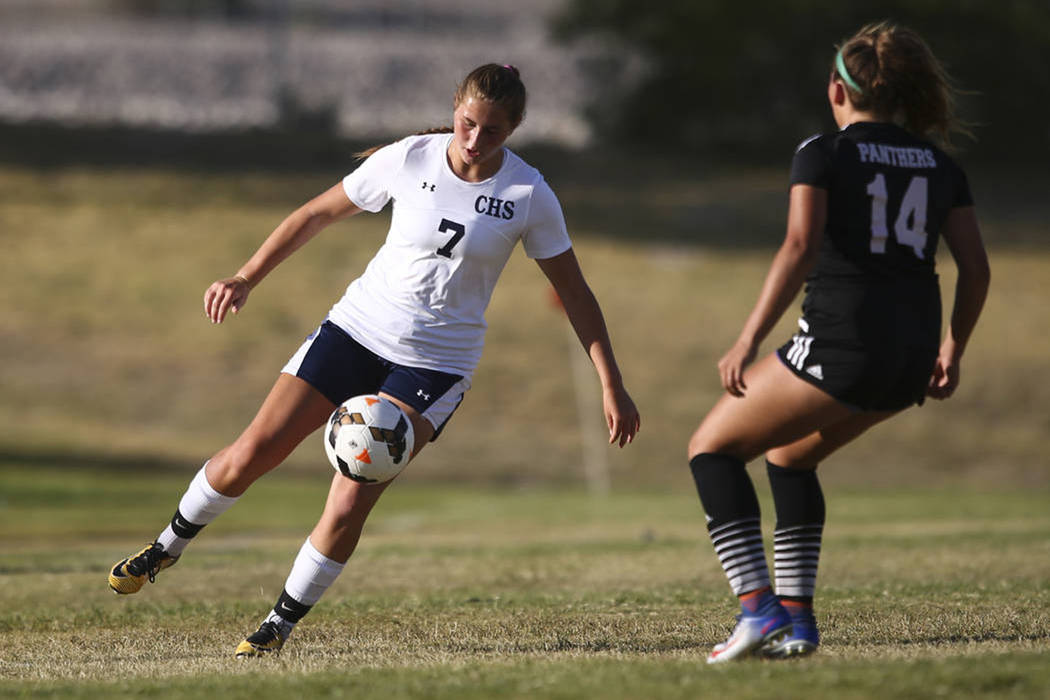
(231, 293)
(807, 215)
(963, 237)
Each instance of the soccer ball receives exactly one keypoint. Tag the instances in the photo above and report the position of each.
(368, 439)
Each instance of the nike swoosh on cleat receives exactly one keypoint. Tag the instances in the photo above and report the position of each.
(118, 567)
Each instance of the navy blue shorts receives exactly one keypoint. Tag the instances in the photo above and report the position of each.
(340, 367)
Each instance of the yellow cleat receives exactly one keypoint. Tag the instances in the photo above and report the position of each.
(129, 575)
(267, 640)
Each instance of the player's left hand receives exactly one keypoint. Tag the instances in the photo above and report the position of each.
(945, 378)
(621, 416)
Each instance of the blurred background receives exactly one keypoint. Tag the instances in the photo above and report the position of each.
(148, 146)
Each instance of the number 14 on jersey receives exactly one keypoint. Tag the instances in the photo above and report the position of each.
(910, 226)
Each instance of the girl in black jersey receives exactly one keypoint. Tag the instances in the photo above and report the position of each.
(868, 205)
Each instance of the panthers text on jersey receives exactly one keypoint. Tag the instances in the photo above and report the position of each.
(889, 194)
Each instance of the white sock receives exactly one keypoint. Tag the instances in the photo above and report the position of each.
(311, 575)
(199, 506)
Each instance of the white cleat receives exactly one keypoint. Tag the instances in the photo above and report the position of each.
(751, 633)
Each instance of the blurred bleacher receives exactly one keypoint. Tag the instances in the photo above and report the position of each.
(361, 70)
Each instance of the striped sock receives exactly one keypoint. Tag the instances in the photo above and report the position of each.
(733, 519)
(799, 531)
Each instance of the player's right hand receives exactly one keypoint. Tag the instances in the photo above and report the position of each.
(945, 378)
(228, 294)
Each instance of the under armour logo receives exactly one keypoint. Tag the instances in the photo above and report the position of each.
(427, 185)
(426, 397)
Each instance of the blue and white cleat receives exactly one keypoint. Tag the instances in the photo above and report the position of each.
(753, 632)
(803, 640)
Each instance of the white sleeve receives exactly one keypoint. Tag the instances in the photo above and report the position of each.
(369, 185)
(545, 234)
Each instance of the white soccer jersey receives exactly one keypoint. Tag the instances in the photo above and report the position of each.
(421, 301)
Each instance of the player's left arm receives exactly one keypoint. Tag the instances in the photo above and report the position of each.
(963, 236)
(585, 314)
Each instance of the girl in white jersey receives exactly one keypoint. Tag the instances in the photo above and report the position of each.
(410, 328)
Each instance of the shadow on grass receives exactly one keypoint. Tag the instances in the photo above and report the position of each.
(46, 459)
(972, 638)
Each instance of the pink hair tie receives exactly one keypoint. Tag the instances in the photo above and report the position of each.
(512, 69)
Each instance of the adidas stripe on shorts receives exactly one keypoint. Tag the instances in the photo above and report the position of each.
(881, 376)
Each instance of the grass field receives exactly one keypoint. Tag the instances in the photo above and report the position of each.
(489, 571)
(480, 593)
(100, 318)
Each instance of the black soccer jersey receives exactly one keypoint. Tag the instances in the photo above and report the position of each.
(888, 196)
(871, 317)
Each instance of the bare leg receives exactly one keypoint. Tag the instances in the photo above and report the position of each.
(799, 531)
(291, 411)
(778, 408)
(322, 557)
(349, 502)
(808, 452)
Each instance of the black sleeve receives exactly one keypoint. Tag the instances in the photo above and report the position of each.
(812, 163)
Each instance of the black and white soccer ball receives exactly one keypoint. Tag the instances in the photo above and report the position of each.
(368, 439)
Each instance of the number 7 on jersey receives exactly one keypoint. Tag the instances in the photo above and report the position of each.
(458, 231)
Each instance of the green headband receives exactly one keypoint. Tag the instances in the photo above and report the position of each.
(840, 67)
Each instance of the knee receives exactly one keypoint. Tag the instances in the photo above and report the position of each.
(786, 458)
(349, 504)
(699, 443)
(243, 454)
(244, 461)
(705, 442)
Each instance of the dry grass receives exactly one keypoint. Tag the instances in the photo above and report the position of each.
(103, 334)
(114, 390)
(512, 593)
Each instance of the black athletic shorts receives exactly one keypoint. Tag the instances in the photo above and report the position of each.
(340, 367)
(871, 346)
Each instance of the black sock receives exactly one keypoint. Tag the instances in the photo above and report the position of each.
(289, 608)
(183, 527)
(797, 537)
(733, 519)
